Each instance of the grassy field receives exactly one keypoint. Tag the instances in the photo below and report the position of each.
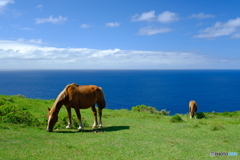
(125, 135)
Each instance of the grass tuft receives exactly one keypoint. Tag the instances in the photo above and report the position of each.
(216, 127)
(176, 118)
(149, 109)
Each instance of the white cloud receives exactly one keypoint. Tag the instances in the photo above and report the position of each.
(60, 19)
(146, 16)
(39, 6)
(230, 28)
(34, 41)
(3, 7)
(112, 24)
(167, 17)
(3, 3)
(20, 54)
(151, 31)
(201, 16)
(85, 26)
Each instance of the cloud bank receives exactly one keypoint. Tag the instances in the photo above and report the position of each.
(25, 55)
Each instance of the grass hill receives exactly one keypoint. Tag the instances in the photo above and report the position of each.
(142, 133)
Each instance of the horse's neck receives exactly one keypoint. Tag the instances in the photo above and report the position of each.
(57, 106)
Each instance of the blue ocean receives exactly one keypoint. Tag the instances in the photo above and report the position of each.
(214, 90)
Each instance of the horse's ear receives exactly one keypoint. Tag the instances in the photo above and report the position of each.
(49, 109)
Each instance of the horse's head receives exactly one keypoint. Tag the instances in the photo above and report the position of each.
(192, 113)
(52, 119)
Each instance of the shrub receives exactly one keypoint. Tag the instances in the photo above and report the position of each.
(1, 103)
(17, 115)
(175, 119)
(200, 115)
(164, 112)
(20, 95)
(149, 109)
(8, 99)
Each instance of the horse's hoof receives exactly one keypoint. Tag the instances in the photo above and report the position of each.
(68, 127)
(95, 126)
(80, 129)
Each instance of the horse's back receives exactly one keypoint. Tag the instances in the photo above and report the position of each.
(193, 105)
(85, 95)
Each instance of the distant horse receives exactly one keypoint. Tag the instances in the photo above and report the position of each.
(77, 97)
(192, 108)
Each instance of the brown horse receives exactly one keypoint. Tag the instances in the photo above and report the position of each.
(77, 97)
(192, 108)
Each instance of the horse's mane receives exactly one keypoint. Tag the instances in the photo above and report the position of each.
(63, 95)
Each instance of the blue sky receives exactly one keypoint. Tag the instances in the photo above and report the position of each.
(119, 34)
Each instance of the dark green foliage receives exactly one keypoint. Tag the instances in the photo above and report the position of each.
(1, 102)
(7, 99)
(176, 118)
(17, 115)
(200, 115)
(149, 109)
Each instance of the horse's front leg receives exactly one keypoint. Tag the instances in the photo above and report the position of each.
(81, 127)
(95, 123)
(69, 118)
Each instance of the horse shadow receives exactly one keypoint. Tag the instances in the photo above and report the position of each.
(99, 130)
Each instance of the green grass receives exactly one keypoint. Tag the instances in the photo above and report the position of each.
(125, 135)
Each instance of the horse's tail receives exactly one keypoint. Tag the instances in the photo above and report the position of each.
(103, 103)
(196, 107)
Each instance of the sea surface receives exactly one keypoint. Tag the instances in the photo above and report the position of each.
(214, 90)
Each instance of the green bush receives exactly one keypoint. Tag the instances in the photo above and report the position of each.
(20, 95)
(17, 115)
(164, 112)
(176, 118)
(200, 115)
(149, 109)
(1, 103)
(8, 99)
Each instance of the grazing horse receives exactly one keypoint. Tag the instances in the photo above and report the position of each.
(77, 97)
(192, 108)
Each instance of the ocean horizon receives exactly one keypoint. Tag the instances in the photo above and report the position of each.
(214, 90)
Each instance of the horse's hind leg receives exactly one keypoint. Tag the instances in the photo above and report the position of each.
(100, 117)
(95, 124)
(69, 118)
(79, 119)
